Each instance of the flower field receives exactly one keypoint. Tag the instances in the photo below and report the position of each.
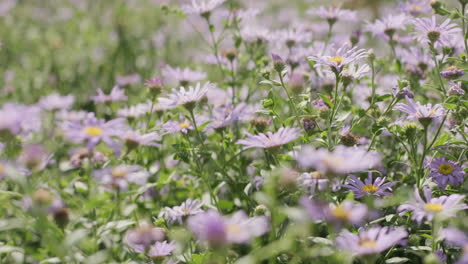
(233, 131)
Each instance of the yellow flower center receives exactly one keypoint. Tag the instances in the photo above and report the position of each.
(119, 172)
(184, 125)
(415, 8)
(370, 188)
(445, 169)
(432, 111)
(233, 228)
(93, 131)
(340, 213)
(337, 59)
(367, 243)
(2, 168)
(433, 207)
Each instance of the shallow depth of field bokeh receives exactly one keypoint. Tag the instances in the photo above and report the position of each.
(233, 131)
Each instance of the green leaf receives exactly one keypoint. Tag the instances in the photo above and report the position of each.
(326, 100)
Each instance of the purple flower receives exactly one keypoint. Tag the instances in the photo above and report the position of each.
(290, 37)
(337, 59)
(458, 238)
(456, 89)
(55, 101)
(224, 116)
(376, 187)
(370, 241)
(218, 230)
(427, 30)
(128, 79)
(201, 7)
(116, 94)
(415, 7)
(182, 76)
(443, 206)
(142, 237)
(172, 127)
(424, 113)
(388, 26)
(313, 181)
(178, 213)
(161, 250)
(444, 171)
(270, 140)
(121, 176)
(452, 73)
(333, 14)
(346, 212)
(16, 118)
(136, 111)
(93, 130)
(185, 97)
(134, 139)
(341, 160)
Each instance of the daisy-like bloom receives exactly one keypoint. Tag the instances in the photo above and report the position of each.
(116, 94)
(141, 238)
(201, 7)
(443, 206)
(55, 101)
(416, 59)
(16, 118)
(456, 89)
(341, 160)
(34, 157)
(172, 127)
(135, 111)
(458, 238)
(313, 181)
(337, 59)
(270, 140)
(376, 187)
(185, 97)
(220, 230)
(92, 131)
(444, 171)
(180, 212)
(121, 176)
(346, 212)
(161, 250)
(224, 116)
(354, 72)
(387, 27)
(291, 36)
(182, 76)
(427, 30)
(370, 241)
(254, 34)
(134, 139)
(415, 7)
(424, 113)
(333, 14)
(452, 73)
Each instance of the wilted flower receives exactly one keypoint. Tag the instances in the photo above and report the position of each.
(55, 101)
(116, 94)
(427, 30)
(218, 230)
(337, 59)
(178, 213)
(270, 140)
(341, 160)
(186, 98)
(444, 171)
(121, 176)
(376, 187)
(443, 206)
(370, 241)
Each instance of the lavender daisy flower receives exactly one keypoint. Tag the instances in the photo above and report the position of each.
(116, 94)
(452, 73)
(337, 59)
(341, 160)
(172, 127)
(55, 101)
(182, 76)
(346, 212)
(415, 7)
(224, 116)
(135, 111)
(291, 37)
(218, 231)
(333, 14)
(387, 27)
(254, 34)
(313, 182)
(456, 89)
(427, 30)
(444, 171)
(161, 250)
(376, 187)
(201, 7)
(270, 140)
(134, 139)
(443, 206)
(354, 72)
(424, 113)
(178, 213)
(456, 237)
(121, 176)
(370, 241)
(186, 98)
(141, 238)
(93, 131)
(16, 118)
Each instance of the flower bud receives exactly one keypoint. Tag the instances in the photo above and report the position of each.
(278, 63)
(154, 85)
